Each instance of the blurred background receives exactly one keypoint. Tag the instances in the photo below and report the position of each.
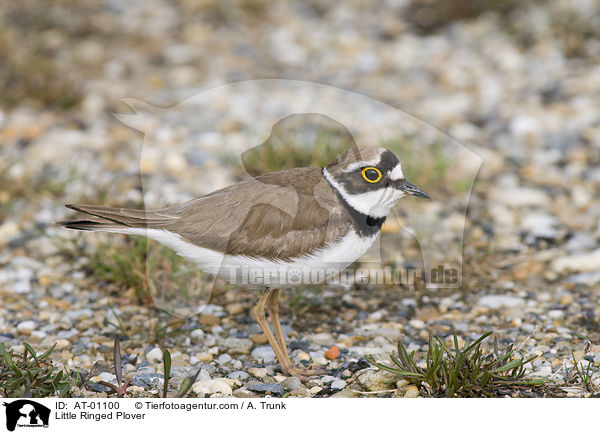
(516, 83)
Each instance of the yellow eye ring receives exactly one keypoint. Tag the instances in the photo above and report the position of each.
(367, 169)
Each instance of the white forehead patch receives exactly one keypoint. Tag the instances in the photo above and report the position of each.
(396, 173)
(352, 166)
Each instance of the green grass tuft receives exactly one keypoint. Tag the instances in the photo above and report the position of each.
(462, 371)
(29, 375)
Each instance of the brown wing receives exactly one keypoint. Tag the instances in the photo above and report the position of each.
(277, 216)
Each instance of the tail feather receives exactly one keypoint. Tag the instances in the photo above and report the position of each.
(107, 219)
(91, 225)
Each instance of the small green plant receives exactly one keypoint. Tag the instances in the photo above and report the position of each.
(303, 299)
(124, 266)
(32, 376)
(173, 282)
(166, 327)
(185, 385)
(464, 371)
(580, 375)
(121, 388)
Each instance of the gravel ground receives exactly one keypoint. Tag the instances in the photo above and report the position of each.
(518, 87)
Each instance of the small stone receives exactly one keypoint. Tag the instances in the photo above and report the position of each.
(98, 387)
(238, 375)
(209, 320)
(258, 372)
(219, 386)
(235, 308)
(108, 377)
(590, 279)
(45, 280)
(346, 393)
(204, 357)
(412, 392)
(259, 339)
(244, 393)
(577, 263)
(401, 383)
(291, 383)
(26, 327)
(200, 388)
(272, 388)
(148, 380)
(197, 335)
(155, 355)
(61, 344)
(264, 354)
(314, 390)
(527, 269)
(499, 301)
(322, 339)
(566, 299)
(332, 353)
(417, 323)
(300, 391)
(338, 384)
(556, 314)
(326, 379)
(237, 345)
(376, 380)
(299, 345)
(302, 356)
(223, 359)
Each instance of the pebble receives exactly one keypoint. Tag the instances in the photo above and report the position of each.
(577, 263)
(412, 392)
(204, 357)
(520, 196)
(258, 372)
(259, 339)
(237, 345)
(26, 327)
(332, 353)
(376, 380)
(589, 279)
(155, 355)
(223, 359)
(220, 386)
(272, 388)
(200, 388)
(539, 225)
(500, 301)
(346, 393)
(243, 393)
(324, 339)
(291, 383)
(148, 380)
(62, 344)
(238, 375)
(326, 379)
(300, 391)
(263, 354)
(338, 384)
(197, 335)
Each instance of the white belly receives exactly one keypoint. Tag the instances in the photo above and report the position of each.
(244, 271)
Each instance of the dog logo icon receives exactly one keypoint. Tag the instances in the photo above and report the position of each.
(26, 413)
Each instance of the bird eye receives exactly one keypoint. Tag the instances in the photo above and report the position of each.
(371, 174)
